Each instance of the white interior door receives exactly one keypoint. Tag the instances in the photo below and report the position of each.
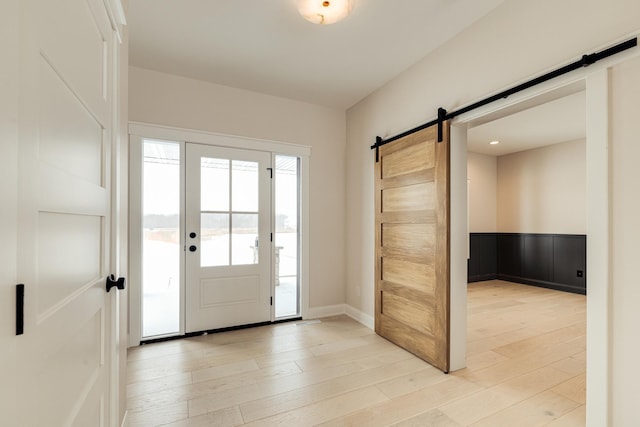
(66, 109)
(228, 237)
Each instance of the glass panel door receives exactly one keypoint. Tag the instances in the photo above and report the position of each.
(228, 257)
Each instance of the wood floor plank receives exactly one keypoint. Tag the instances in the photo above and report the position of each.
(549, 339)
(237, 396)
(331, 359)
(573, 388)
(480, 345)
(300, 397)
(158, 416)
(408, 405)
(227, 417)
(491, 400)
(574, 365)
(525, 366)
(484, 359)
(285, 356)
(315, 413)
(411, 382)
(517, 366)
(539, 410)
(205, 388)
(433, 418)
(158, 384)
(575, 418)
(222, 371)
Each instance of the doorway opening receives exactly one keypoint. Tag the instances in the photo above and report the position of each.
(245, 239)
(527, 224)
(596, 85)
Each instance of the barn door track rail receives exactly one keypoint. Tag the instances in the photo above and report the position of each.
(443, 115)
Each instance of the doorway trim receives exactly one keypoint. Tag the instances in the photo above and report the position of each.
(139, 131)
(595, 82)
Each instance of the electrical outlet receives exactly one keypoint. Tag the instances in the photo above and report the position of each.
(580, 273)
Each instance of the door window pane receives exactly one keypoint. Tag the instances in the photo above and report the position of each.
(245, 186)
(214, 184)
(161, 238)
(214, 240)
(244, 244)
(286, 237)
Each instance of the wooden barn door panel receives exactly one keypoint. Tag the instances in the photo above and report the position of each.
(412, 245)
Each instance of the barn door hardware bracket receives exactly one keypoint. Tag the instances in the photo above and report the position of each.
(584, 61)
(442, 116)
(378, 142)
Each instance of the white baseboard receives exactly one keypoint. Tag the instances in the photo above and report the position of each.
(325, 311)
(359, 316)
(337, 310)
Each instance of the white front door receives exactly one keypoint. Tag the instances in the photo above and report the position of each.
(65, 135)
(228, 237)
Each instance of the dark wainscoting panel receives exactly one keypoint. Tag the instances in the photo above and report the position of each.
(556, 261)
(570, 261)
(483, 264)
(509, 254)
(537, 262)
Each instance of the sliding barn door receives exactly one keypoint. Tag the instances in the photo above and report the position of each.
(412, 245)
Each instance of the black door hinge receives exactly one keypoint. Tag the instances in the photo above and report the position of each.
(270, 172)
(271, 300)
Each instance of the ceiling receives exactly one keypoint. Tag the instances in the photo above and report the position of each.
(560, 120)
(266, 46)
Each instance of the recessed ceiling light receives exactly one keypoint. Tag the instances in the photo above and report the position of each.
(494, 142)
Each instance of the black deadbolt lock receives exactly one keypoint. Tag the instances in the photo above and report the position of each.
(192, 248)
(192, 235)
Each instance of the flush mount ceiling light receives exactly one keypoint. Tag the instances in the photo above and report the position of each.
(494, 142)
(325, 12)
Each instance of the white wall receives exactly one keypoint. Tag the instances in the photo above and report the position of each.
(164, 99)
(518, 40)
(535, 191)
(482, 173)
(624, 244)
(543, 190)
(478, 62)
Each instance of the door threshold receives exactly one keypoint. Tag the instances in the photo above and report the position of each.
(216, 331)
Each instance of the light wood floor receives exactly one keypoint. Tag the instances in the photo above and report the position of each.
(526, 367)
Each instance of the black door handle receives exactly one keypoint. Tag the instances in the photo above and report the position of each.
(119, 283)
(19, 309)
(193, 248)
